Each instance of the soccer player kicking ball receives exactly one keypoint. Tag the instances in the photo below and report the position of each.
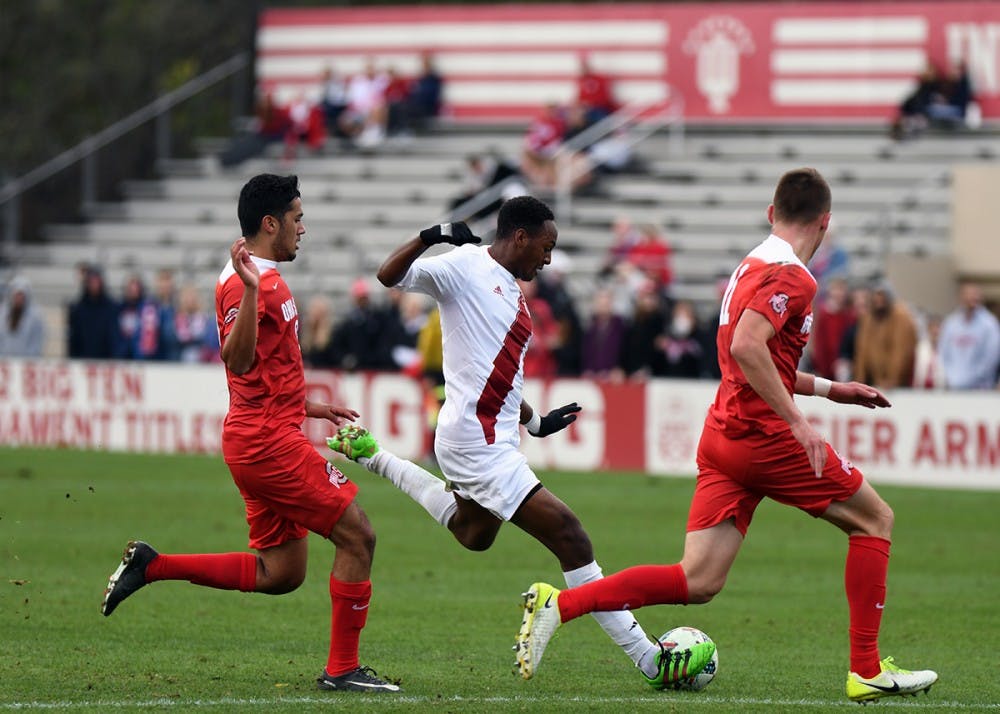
(757, 443)
(289, 489)
(486, 328)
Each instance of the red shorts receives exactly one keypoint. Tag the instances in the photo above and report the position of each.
(290, 495)
(735, 474)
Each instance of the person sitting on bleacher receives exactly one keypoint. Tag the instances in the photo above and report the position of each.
(22, 327)
(93, 319)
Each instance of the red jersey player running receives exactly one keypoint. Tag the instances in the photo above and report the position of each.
(757, 443)
(289, 489)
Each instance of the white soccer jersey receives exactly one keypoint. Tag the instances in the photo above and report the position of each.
(486, 328)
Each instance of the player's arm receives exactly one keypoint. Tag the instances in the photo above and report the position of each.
(749, 349)
(841, 392)
(240, 345)
(392, 270)
(555, 420)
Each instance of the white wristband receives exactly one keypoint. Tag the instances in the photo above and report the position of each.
(534, 423)
(446, 229)
(821, 386)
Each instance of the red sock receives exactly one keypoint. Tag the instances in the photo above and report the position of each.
(628, 589)
(350, 612)
(864, 581)
(225, 571)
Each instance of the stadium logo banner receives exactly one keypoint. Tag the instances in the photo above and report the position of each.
(926, 438)
(728, 61)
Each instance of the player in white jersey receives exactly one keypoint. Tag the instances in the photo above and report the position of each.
(486, 328)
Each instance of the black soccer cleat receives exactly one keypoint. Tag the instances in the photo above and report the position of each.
(362, 679)
(130, 575)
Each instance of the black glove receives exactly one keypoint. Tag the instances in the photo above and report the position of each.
(556, 420)
(454, 233)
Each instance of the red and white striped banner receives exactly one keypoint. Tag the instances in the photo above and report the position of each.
(730, 62)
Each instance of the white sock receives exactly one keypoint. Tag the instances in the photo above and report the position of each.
(422, 486)
(621, 627)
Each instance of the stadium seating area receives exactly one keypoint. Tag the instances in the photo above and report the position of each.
(710, 201)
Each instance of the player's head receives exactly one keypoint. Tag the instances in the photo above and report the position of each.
(270, 212)
(526, 234)
(802, 196)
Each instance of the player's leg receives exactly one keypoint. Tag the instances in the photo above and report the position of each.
(419, 484)
(867, 519)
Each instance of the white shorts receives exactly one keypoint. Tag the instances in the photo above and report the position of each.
(496, 476)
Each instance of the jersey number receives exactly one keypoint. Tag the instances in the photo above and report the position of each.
(727, 297)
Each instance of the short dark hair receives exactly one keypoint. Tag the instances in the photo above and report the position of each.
(801, 196)
(265, 195)
(525, 212)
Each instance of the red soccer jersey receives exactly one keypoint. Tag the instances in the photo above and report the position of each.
(268, 401)
(772, 281)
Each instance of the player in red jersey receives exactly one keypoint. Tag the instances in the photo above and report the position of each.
(755, 444)
(289, 489)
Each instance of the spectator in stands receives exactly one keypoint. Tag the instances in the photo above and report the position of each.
(307, 125)
(950, 102)
(594, 92)
(651, 255)
(541, 142)
(833, 316)
(425, 96)
(192, 326)
(165, 299)
(358, 337)
(603, 337)
(681, 346)
(140, 331)
(551, 287)
(401, 324)
(270, 124)
(886, 342)
(316, 334)
(364, 120)
(624, 235)
(843, 368)
(397, 96)
(928, 372)
(483, 171)
(540, 359)
(333, 100)
(830, 262)
(711, 330)
(93, 319)
(969, 344)
(639, 352)
(22, 326)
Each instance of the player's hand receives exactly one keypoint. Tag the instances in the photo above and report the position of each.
(454, 233)
(245, 267)
(557, 420)
(813, 443)
(857, 393)
(338, 415)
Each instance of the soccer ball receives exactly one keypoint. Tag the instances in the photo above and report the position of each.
(682, 638)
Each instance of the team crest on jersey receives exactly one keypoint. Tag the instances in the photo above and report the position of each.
(844, 463)
(230, 315)
(779, 303)
(807, 324)
(333, 473)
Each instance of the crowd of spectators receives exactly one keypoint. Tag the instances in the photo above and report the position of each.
(357, 111)
(939, 99)
(162, 325)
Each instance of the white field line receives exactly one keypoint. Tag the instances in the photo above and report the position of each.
(389, 700)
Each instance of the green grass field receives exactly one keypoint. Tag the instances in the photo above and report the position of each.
(443, 619)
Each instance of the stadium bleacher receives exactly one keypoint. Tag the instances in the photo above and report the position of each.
(709, 201)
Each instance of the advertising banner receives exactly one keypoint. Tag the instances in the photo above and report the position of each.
(926, 438)
(729, 62)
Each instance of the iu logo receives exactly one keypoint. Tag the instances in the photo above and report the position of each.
(717, 43)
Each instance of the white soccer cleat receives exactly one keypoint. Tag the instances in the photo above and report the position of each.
(540, 621)
(892, 681)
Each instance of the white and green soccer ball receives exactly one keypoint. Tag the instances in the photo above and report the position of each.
(682, 638)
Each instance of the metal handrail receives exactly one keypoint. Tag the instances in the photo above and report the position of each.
(83, 151)
(672, 115)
